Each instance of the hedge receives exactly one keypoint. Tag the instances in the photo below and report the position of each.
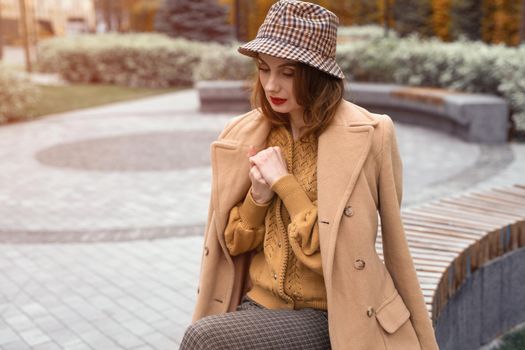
(134, 60)
(17, 95)
(154, 60)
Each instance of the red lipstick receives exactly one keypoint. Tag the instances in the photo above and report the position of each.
(277, 101)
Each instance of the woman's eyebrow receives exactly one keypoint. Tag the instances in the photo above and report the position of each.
(281, 65)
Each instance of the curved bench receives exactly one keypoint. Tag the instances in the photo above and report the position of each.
(450, 239)
(473, 117)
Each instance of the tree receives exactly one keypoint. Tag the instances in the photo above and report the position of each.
(441, 19)
(142, 15)
(413, 16)
(341, 8)
(202, 20)
(115, 13)
(522, 22)
(501, 21)
(466, 19)
(1, 35)
(386, 20)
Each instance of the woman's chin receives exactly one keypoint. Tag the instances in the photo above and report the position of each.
(280, 109)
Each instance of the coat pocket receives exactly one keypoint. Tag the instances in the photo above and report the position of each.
(393, 313)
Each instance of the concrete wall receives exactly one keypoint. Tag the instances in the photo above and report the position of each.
(490, 302)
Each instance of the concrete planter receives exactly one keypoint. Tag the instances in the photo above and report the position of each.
(472, 117)
(489, 303)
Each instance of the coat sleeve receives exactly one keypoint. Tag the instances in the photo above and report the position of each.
(303, 230)
(245, 228)
(398, 259)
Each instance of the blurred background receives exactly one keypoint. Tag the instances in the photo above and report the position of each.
(115, 41)
(107, 112)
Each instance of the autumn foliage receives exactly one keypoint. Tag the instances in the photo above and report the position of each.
(493, 21)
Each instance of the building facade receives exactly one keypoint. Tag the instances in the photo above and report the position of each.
(46, 18)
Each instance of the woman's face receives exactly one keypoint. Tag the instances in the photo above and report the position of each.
(277, 77)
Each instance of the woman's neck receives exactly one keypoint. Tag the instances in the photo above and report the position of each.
(296, 122)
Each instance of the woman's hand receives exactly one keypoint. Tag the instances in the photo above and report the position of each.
(267, 167)
(261, 191)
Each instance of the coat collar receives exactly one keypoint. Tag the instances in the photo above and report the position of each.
(342, 150)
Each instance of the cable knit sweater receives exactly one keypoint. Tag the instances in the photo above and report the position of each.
(286, 270)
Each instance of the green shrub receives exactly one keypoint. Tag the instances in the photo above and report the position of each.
(512, 84)
(134, 60)
(155, 60)
(224, 64)
(17, 95)
(463, 66)
(366, 32)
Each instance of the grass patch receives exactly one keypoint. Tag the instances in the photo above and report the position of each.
(58, 99)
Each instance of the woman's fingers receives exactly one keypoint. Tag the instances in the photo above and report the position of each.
(251, 151)
(254, 173)
(261, 156)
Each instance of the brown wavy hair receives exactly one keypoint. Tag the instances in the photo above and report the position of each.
(319, 93)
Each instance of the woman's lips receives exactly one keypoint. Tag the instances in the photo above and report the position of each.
(277, 101)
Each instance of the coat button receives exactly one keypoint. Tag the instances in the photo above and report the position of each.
(359, 264)
(279, 244)
(274, 276)
(349, 211)
(370, 311)
(206, 250)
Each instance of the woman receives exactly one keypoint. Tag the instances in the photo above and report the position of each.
(289, 259)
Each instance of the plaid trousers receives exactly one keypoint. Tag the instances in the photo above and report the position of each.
(252, 326)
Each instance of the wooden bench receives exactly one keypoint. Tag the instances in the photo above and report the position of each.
(472, 117)
(451, 238)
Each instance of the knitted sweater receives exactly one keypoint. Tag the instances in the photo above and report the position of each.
(286, 270)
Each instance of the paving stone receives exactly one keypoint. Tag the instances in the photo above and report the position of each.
(34, 337)
(8, 335)
(96, 339)
(34, 310)
(109, 326)
(78, 346)
(160, 341)
(144, 347)
(64, 337)
(137, 327)
(16, 345)
(47, 346)
(81, 327)
(127, 340)
(19, 322)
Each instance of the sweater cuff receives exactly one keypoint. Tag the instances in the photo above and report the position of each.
(292, 194)
(251, 212)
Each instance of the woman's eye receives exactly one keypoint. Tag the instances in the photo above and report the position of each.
(289, 74)
(263, 69)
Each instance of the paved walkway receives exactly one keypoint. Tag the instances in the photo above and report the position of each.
(102, 214)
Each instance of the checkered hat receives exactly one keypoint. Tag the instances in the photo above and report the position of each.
(300, 31)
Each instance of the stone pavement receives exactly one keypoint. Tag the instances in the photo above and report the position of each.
(102, 213)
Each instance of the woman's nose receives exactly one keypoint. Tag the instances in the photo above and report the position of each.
(272, 85)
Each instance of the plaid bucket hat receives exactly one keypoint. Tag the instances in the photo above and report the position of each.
(299, 31)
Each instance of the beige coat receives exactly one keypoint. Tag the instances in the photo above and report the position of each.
(359, 173)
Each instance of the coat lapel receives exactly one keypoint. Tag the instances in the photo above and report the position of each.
(342, 151)
(230, 168)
